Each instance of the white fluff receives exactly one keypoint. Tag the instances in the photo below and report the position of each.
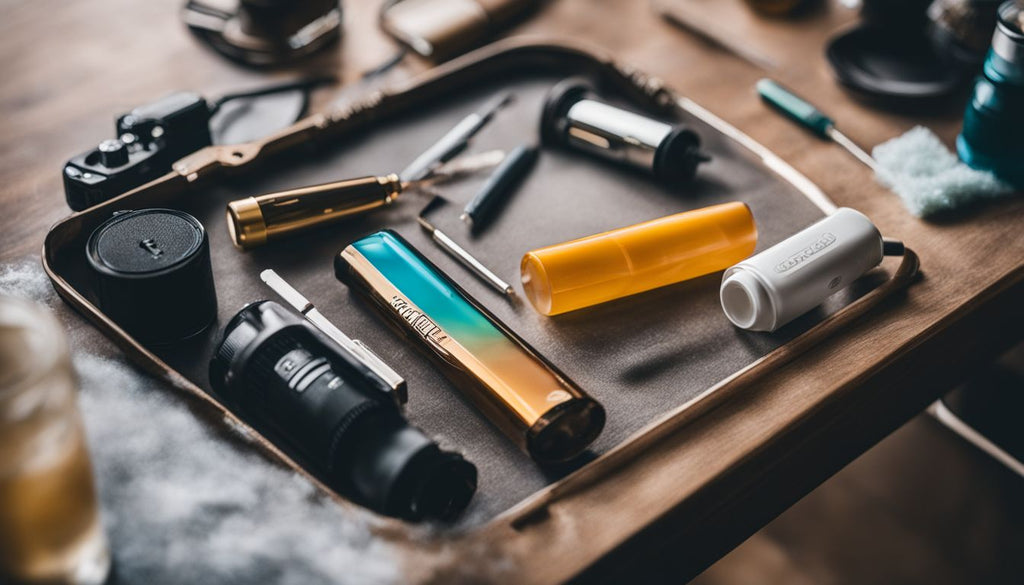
(184, 505)
(929, 178)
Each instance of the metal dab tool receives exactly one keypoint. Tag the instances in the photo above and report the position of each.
(355, 348)
(803, 113)
(253, 221)
(454, 141)
(459, 253)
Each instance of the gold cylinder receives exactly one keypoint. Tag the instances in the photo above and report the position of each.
(254, 221)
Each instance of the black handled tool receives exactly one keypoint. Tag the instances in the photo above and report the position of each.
(499, 186)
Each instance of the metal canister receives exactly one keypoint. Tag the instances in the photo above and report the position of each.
(575, 118)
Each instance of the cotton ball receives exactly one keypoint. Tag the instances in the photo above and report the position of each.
(928, 177)
(185, 505)
(26, 279)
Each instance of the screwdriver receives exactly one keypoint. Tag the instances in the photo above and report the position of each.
(803, 113)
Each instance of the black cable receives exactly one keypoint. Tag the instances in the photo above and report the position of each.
(302, 84)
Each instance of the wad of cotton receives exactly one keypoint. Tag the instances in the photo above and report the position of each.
(929, 178)
(182, 503)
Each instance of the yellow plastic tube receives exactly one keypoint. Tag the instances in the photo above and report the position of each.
(630, 260)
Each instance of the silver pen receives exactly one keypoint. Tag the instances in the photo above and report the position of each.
(353, 347)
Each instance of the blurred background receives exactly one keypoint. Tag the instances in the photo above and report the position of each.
(923, 506)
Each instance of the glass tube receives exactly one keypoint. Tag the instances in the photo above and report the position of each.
(50, 529)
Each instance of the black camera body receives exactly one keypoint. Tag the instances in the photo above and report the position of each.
(149, 140)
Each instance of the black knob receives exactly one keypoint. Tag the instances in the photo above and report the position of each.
(113, 153)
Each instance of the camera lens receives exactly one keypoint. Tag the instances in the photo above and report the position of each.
(277, 370)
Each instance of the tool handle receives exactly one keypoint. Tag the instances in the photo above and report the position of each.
(255, 220)
(307, 206)
(500, 185)
(795, 108)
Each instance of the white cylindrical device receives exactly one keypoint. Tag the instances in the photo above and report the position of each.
(770, 289)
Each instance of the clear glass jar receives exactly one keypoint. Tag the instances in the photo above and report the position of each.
(50, 529)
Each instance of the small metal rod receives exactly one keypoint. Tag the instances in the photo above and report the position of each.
(465, 258)
(852, 147)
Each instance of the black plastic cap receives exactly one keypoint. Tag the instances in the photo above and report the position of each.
(678, 157)
(402, 473)
(565, 431)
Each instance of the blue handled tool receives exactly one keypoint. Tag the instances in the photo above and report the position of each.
(803, 113)
(479, 211)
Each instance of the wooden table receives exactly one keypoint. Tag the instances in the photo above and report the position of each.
(69, 67)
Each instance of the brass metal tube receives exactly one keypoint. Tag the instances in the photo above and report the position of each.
(254, 221)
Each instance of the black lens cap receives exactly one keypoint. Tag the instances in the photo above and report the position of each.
(152, 275)
(893, 65)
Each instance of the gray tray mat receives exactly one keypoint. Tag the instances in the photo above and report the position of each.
(640, 357)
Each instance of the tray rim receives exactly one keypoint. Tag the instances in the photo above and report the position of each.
(648, 91)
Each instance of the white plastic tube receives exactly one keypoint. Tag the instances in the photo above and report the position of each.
(770, 289)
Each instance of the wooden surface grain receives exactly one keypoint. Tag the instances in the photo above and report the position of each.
(68, 68)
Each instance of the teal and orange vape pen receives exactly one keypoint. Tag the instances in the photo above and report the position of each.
(540, 409)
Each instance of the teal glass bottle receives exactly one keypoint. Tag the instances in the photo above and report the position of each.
(992, 137)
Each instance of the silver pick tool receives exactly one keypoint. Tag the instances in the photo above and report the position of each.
(459, 253)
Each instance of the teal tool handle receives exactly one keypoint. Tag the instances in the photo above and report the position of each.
(795, 107)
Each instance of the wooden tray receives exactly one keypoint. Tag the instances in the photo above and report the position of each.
(656, 360)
